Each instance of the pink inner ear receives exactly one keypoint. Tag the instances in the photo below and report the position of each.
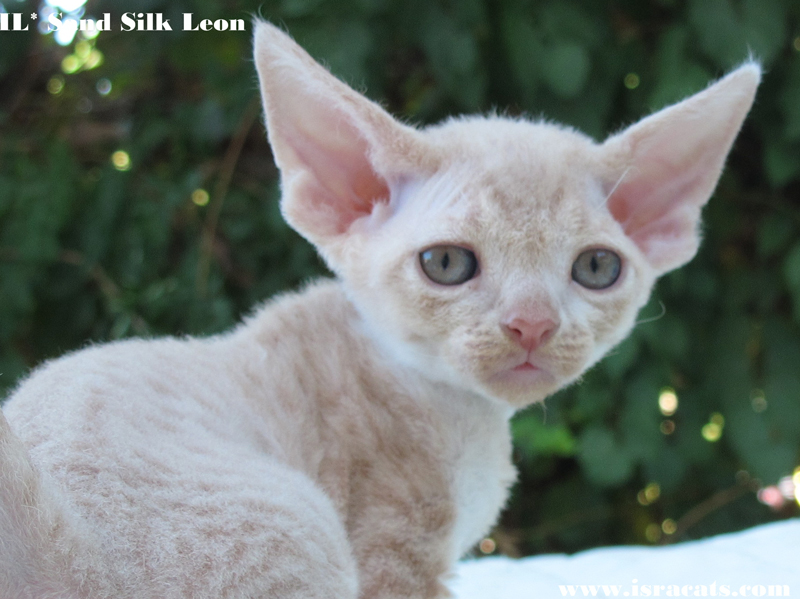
(674, 159)
(343, 185)
(658, 205)
(650, 196)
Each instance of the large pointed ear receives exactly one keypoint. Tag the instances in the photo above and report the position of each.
(336, 150)
(668, 165)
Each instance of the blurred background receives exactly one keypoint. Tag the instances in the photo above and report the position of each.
(138, 196)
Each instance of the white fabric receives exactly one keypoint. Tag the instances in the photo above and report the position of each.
(762, 561)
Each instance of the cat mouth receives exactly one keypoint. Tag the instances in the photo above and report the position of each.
(525, 366)
(525, 375)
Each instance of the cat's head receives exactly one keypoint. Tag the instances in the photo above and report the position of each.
(499, 255)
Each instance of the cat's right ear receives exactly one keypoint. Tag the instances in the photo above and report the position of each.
(337, 150)
(667, 165)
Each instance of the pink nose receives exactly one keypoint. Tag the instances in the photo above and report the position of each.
(531, 335)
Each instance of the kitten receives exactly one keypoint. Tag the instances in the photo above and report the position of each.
(352, 440)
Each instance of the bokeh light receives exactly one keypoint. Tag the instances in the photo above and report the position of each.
(758, 401)
(669, 526)
(70, 64)
(712, 431)
(69, 12)
(631, 80)
(487, 546)
(200, 197)
(653, 532)
(66, 32)
(787, 489)
(649, 494)
(668, 401)
(771, 496)
(103, 86)
(55, 85)
(121, 160)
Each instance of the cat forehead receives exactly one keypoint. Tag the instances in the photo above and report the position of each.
(506, 144)
(513, 178)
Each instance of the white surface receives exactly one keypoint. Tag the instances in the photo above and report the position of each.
(761, 557)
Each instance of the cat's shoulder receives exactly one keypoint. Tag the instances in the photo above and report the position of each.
(320, 307)
(319, 311)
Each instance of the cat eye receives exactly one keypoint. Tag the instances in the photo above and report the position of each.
(596, 269)
(448, 264)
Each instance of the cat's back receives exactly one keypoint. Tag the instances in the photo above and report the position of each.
(175, 449)
(109, 394)
(141, 392)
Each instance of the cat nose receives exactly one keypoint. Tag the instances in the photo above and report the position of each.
(531, 334)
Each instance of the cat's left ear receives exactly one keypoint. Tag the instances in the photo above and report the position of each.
(669, 164)
(337, 151)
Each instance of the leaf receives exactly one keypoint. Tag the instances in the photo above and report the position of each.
(533, 437)
(667, 467)
(693, 413)
(622, 358)
(453, 54)
(570, 20)
(730, 33)
(345, 48)
(750, 435)
(780, 162)
(565, 68)
(764, 24)
(102, 215)
(604, 460)
(719, 30)
(592, 399)
(782, 382)
(640, 417)
(678, 76)
(668, 336)
(774, 233)
(209, 121)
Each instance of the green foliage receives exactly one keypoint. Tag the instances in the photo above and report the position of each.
(91, 253)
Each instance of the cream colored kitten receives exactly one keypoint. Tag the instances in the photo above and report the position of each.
(352, 440)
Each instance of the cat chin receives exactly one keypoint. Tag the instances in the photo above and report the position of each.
(520, 387)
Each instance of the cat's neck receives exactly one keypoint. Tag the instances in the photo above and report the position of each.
(335, 345)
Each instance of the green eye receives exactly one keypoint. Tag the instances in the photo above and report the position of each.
(596, 269)
(448, 264)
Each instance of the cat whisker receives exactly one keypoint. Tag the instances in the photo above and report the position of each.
(616, 185)
(653, 318)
